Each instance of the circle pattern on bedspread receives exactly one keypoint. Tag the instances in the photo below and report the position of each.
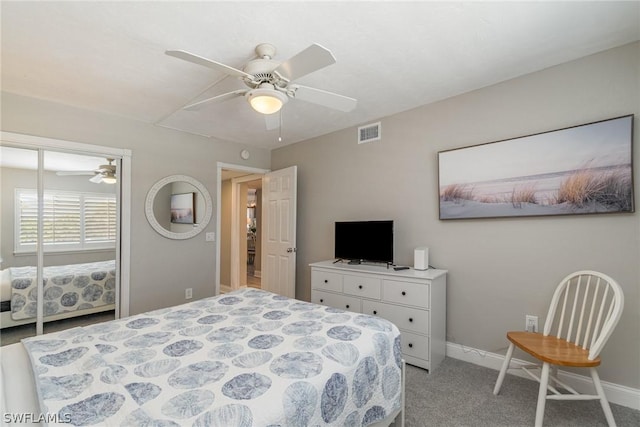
(224, 361)
(246, 386)
(198, 374)
(66, 288)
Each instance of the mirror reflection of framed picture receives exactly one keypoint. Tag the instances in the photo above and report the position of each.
(182, 208)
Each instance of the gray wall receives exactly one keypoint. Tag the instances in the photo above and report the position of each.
(499, 269)
(160, 268)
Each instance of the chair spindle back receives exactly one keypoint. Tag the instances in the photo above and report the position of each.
(585, 309)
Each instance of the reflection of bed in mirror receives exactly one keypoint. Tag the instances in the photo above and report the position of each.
(69, 291)
(249, 357)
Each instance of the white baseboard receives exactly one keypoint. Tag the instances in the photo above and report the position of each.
(618, 394)
(225, 289)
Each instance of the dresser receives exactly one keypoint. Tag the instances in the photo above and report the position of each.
(415, 301)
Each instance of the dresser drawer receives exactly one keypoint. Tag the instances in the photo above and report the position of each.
(405, 318)
(406, 293)
(337, 301)
(362, 286)
(326, 280)
(415, 345)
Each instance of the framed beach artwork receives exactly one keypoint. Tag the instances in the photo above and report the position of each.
(182, 210)
(584, 169)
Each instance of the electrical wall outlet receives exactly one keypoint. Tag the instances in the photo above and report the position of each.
(188, 293)
(531, 323)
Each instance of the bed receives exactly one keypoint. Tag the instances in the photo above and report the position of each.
(246, 358)
(69, 290)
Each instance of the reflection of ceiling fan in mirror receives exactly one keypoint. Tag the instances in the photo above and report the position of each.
(269, 84)
(105, 173)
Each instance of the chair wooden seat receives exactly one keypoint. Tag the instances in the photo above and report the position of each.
(550, 349)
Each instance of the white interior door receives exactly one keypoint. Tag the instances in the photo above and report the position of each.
(279, 231)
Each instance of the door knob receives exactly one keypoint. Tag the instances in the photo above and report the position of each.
(290, 250)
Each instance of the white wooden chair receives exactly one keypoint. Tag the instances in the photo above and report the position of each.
(584, 311)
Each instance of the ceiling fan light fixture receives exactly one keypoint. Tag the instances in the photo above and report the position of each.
(266, 100)
(109, 178)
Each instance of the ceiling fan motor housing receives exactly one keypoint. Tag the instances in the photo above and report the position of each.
(262, 71)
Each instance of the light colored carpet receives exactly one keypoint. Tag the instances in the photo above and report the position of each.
(461, 394)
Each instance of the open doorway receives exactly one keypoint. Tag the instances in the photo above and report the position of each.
(277, 228)
(239, 227)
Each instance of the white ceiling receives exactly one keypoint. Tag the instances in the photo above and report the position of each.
(391, 56)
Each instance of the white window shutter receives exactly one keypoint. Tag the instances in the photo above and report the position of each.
(71, 220)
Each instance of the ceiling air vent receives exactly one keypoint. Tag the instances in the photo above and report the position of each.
(369, 133)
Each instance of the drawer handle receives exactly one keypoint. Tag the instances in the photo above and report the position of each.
(321, 300)
(375, 312)
(410, 319)
(404, 293)
(347, 305)
(359, 286)
(410, 345)
(326, 280)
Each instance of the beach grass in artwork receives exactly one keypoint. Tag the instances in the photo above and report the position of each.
(579, 170)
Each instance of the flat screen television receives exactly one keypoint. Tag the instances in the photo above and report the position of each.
(359, 241)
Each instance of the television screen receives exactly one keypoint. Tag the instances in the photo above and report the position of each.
(364, 241)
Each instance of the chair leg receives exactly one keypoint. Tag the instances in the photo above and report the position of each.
(553, 374)
(542, 394)
(503, 370)
(603, 398)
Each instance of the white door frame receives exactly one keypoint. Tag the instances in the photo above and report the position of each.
(234, 215)
(123, 250)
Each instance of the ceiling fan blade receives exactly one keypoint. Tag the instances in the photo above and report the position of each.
(73, 173)
(272, 121)
(324, 98)
(96, 179)
(309, 60)
(181, 54)
(219, 98)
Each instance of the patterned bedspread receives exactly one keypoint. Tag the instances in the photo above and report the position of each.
(66, 288)
(246, 358)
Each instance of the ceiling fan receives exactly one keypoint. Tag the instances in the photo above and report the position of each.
(104, 173)
(269, 82)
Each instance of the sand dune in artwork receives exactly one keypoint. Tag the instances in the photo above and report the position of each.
(587, 190)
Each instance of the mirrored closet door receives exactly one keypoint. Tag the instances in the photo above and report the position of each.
(61, 228)
(18, 170)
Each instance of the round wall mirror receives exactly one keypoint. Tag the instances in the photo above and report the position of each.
(178, 207)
